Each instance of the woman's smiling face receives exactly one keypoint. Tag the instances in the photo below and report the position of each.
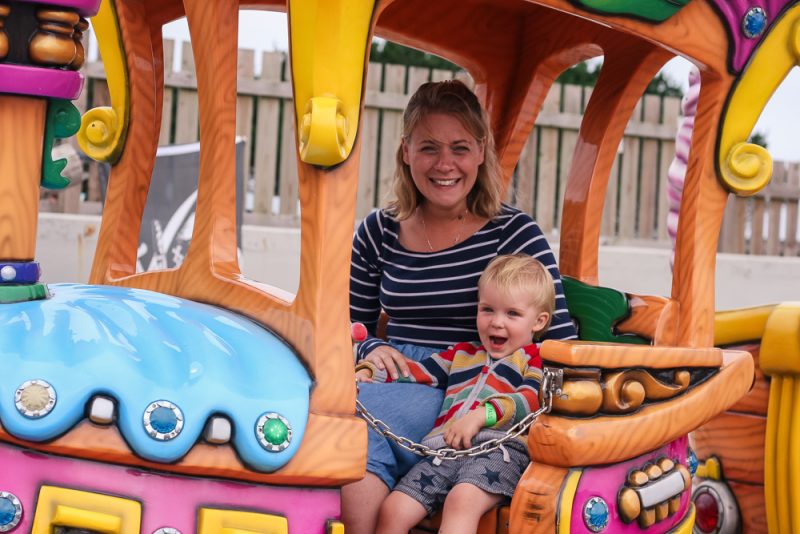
(444, 158)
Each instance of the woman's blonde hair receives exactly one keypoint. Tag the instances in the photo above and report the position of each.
(520, 273)
(454, 98)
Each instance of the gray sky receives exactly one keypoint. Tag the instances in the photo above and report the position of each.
(779, 121)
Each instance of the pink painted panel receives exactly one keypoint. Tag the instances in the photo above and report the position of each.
(168, 500)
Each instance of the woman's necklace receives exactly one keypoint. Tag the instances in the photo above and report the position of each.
(462, 218)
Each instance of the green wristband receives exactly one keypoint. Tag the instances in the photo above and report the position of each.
(491, 415)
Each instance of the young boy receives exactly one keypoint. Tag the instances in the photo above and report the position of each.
(489, 388)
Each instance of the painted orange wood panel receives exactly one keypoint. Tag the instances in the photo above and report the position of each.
(534, 508)
(599, 440)
(627, 70)
(331, 453)
(22, 132)
(738, 441)
(755, 402)
(653, 318)
(753, 512)
(622, 356)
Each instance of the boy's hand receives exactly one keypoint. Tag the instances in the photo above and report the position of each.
(364, 375)
(459, 435)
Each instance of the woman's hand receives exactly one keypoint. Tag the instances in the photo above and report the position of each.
(459, 435)
(364, 375)
(389, 359)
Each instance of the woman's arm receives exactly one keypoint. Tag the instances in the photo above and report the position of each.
(365, 278)
(522, 235)
(432, 371)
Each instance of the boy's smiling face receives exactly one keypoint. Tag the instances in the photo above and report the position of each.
(507, 320)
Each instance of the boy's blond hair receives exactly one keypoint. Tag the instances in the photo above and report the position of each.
(520, 272)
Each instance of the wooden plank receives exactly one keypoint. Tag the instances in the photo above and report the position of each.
(546, 174)
(367, 175)
(648, 177)
(609, 223)
(756, 400)
(440, 75)
(750, 498)
(416, 77)
(671, 113)
(629, 180)
(266, 137)
(245, 106)
(187, 119)
(773, 211)
(757, 244)
(165, 131)
(526, 175)
(466, 78)
(287, 179)
(571, 103)
(793, 180)
(391, 132)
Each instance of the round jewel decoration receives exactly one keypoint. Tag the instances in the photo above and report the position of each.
(595, 514)
(167, 530)
(691, 461)
(10, 511)
(754, 22)
(273, 431)
(163, 420)
(35, 398)
(8, 273)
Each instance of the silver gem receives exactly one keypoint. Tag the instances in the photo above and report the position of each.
(8, 273)
(167, 530)
(32, 407)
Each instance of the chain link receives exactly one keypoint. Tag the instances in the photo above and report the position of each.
(552, 380)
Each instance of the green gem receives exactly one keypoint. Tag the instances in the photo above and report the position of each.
(275, 431)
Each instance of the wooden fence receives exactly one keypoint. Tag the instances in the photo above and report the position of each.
(636, 205)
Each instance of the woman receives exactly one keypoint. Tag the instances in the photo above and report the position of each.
(419, 260)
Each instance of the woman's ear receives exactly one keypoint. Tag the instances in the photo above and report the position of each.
(406, 158)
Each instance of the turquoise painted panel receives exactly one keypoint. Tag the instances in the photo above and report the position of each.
(139, 347)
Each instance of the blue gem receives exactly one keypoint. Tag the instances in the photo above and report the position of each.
(8, 511)
(691, 461)
(754, 22)
(163, 420)
(595, 514)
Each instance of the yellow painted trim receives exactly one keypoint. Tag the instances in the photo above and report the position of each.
(334, 527)
(329, 46)
(103, 129)
(770, 454)
(564, 518)
(213, 521)
(687, 525)
(780, 346)
(85, 510)
(792, 465)
(738, 326)
(746, 168)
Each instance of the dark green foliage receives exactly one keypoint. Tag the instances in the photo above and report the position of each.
(758, 138)
(587, 75)
(389, 52)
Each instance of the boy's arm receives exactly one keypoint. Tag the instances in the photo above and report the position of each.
(511, 408)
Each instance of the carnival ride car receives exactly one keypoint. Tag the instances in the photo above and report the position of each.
(195, 400)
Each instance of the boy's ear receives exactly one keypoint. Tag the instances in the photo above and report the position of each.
(541, 322)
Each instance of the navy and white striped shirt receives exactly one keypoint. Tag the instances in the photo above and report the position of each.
(431, 298)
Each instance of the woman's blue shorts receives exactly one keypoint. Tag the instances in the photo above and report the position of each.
(410, 410)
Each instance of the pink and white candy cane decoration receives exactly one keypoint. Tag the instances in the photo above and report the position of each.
(683, 143)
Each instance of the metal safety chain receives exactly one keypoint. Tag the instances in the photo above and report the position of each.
(552, 379)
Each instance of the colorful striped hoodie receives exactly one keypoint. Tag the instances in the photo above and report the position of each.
(471, 378)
